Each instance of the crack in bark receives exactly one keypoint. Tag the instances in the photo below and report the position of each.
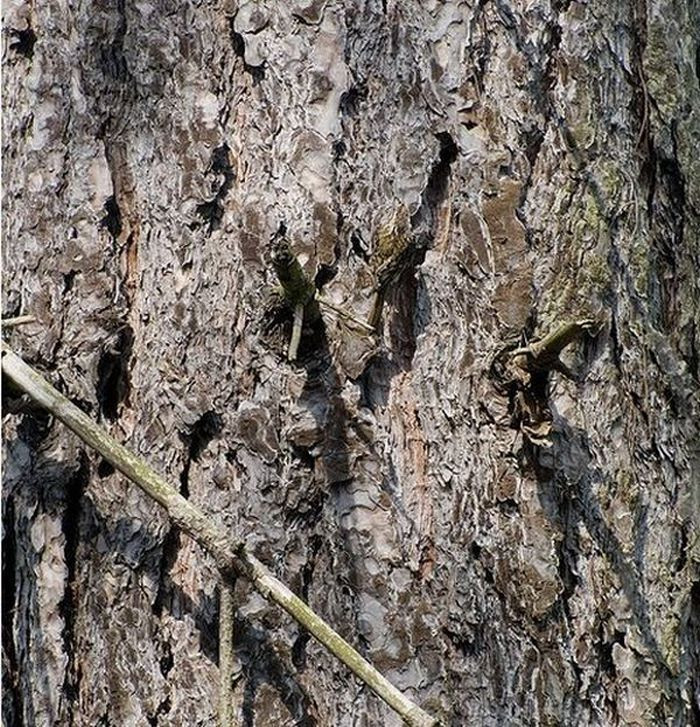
(113, 380)
(12, 706)
(212, 211)
(303, 637)
(70, 524)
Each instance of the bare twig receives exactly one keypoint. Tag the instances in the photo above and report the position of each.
(296, 332)
(345, 314)
(232, 556)
(17, 321)
(226, 663)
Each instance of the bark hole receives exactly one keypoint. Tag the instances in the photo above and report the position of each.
(257, 73)
(113, 374)
(24, 45)
(112, 220)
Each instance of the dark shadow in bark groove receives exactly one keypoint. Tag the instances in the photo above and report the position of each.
(12, 696)
(323, 397)
(133, 545)
(566, 473)
(407, 309)
(55, 489)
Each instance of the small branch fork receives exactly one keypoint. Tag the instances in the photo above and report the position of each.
(522, 374)
(543, 354)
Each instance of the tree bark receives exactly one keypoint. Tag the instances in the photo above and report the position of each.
(547, 155)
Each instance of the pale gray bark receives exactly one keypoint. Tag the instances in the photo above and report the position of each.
(548, 154)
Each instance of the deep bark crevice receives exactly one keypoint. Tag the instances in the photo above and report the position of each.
(12, 707)
(71, 526)
(24, 43)
(256, 73)
(113, 380)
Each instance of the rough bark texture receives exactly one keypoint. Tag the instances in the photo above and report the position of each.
(547, 153)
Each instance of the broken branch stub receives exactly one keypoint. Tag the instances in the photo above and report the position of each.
(522, 374)
(298, 290)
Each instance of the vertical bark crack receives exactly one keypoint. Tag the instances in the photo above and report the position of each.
(75, 487)
(113, 382)
(12, 707)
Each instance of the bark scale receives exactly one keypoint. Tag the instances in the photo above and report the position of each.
(547, 154)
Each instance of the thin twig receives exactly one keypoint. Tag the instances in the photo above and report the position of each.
(345, 313)
(226, 662)
(17, 321)
(296, 331)
(231, 556)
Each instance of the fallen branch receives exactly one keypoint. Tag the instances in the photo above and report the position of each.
(232, 556)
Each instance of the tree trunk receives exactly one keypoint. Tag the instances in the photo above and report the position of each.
(546, 155)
